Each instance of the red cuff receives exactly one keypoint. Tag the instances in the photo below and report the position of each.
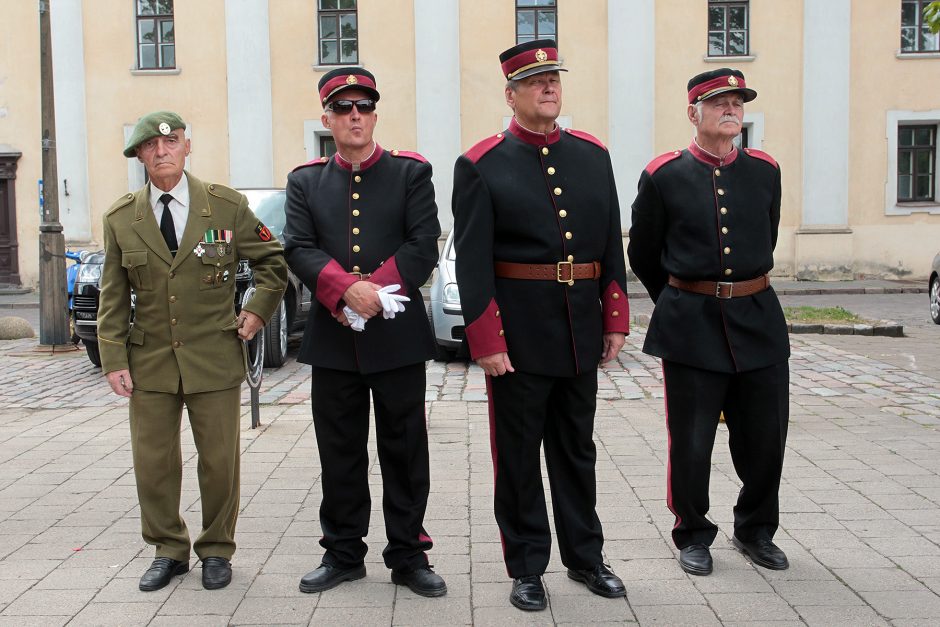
(616, 308)
(388, 274)
(485, 334)
(332, 283)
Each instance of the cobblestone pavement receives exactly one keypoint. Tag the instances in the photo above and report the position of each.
(859, 501)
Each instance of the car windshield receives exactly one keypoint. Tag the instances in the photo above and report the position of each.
(268, 205)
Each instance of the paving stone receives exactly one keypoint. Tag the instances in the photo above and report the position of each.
(676, 615)
(117, 614)
(904, 603)
(275, 611)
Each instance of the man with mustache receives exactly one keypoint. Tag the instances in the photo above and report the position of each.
(702, 238)
(362, 234)
(541, 272)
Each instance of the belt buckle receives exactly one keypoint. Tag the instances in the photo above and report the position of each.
(358, 275)
(724, 284)
(559, 266)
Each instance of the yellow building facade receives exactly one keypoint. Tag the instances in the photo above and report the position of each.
(837, 95)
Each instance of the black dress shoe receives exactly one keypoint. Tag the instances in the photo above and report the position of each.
(763, 552)
(528, 593)
(160, 572)
(599, 580)
(327, 576)
(423, 581)
(696, 559)
(216, 573)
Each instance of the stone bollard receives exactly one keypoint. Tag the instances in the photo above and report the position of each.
(15, 328)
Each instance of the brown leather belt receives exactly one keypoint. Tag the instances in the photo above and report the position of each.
(563, 271)
(722, 289)
(362, 276)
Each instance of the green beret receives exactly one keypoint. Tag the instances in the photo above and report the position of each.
(152, 125)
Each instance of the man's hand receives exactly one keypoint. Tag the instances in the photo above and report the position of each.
(613, 342)
(363, 298)
(249, 324)
(496, 364)
(120, 382)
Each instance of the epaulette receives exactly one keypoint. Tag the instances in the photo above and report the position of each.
(123, 201)
(760, 154)
(317, 161)
(484, 146)
(224, 192)
(407, 153)
(662, 160)
(586, 137)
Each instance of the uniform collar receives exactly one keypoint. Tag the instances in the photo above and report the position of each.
(180, 193)
(367, 163)
(711, 159)
(531, 137)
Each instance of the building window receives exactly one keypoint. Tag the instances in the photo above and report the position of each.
(156, 40)
(915, 34)
(741, 139)
(917, 158)
(536, 19)
(727, 29)
(339, 32)
(327, 145)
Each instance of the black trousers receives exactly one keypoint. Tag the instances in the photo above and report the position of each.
(340, 402)
(527, 411)
(756, 408)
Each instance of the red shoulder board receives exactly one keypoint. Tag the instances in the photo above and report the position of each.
(482, 147)
(410, 155)
(586, 137)
(317, 161)
(760, 154)
(662, 160)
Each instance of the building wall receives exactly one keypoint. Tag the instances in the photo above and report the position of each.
(599, 96)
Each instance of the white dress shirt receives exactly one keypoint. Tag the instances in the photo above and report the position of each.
(179, 206)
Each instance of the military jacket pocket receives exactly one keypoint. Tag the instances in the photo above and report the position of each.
(217, 271)
(138, 270)
(136, 337)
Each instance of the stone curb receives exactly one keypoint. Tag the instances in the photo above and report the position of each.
(884, 328)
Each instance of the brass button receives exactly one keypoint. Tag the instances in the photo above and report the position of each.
(728, 272)
(501, 333)
(727, 250)
(355, 212)
(721, 192)
(557, 191)
(568, 235)
(676, 152)
(172, 274)
(614, 313)
(356, 231)
(615, 295)
(570, 258)
(499, 135)
(497, 313)
(356, 248)
(395, 152)
(717, 172)
(212, 186)
(357, 178)
(356, 269)
(355, 195)
(724, 230)
(563, 213)
(544, 150)
(724, 210)
(173, 321)
(172, 299)
(550, 171)
(177, 344)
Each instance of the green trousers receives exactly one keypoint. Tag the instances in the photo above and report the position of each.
(155, 441)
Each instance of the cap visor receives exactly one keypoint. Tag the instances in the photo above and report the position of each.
(746, 93)
(372, 92)
(538, 70)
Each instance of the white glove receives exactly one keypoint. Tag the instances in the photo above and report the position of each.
(392, 303)
(356, 322)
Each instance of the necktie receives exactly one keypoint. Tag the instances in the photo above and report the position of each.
(166, 225)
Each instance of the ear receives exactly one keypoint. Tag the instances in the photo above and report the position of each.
(510, 98)
(325, 120)
(188, 148)
(691, 113)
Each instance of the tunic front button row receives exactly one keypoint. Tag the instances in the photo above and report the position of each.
(550, 171)
(173, 321)
(355, 195)
(568, 235)
(544, 150)
(724, 230)
(724, 210)
(356, 231)
(717, 172)
(727, 250)
(172, 299)
(557, 191)
(563, 213)
(356, 248)
(728, 272)
(355, 212)
(721, 192)
(356, 269)
(357, 178)
(177, 344)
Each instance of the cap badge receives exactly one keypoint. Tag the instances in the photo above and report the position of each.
(732, 81)
(540, 55)
(351, 79)
(164, 128)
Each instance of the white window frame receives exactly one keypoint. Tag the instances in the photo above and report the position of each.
(313, 131)
(892, 206)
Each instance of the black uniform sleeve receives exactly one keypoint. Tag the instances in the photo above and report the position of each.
(647, 237)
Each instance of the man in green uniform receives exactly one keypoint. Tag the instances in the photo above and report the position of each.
(177, 242)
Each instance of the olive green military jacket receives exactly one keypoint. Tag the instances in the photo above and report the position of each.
(184, 327)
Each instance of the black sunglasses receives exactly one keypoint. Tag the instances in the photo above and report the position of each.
(366, 105)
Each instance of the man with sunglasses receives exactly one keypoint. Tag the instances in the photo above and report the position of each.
(702, 242)
(541, 272)
(362, 234)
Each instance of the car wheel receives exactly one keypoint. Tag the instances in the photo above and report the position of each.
(440, 353)
(275, 337)
(935, 299)
(255, 350)
(94, 355)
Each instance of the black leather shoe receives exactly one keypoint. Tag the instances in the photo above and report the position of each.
(423, 581)
(599, 580)
(763, 552)
(327, 576)
(696, 559)
(160, 572)
(216, 573)
(528, 593)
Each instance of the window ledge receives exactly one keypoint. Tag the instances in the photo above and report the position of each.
(907, 208)
(168, 72)
(736, 59)
(918, 55)
(327, 68)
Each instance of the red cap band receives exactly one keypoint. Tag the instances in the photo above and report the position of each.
(529, 59)
(345, 81)
(720, 84)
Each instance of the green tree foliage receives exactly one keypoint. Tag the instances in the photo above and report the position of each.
(932, 16)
